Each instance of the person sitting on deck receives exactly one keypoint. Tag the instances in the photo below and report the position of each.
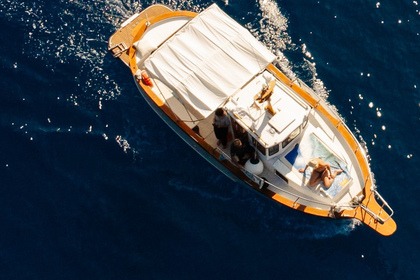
(239, 152)
(321, 172)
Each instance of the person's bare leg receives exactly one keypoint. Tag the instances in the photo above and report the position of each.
(315, 178)
(329, 179)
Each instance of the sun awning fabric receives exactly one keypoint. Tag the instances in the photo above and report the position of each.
(208, 60)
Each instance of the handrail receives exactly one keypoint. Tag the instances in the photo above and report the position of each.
(385, 206)
(358, 151)
(295, 195)
(262, 181)
(333, 206)
(357, 146)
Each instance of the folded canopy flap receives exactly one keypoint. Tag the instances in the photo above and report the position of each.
(208, 60)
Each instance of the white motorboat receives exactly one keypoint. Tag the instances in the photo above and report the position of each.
(187, 65)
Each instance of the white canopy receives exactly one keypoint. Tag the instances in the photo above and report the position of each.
(208, 60)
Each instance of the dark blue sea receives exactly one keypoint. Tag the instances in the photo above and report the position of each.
(93, 185)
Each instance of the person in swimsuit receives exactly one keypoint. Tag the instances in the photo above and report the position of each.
(321, 172)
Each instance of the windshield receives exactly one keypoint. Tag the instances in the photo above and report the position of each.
(292, 136)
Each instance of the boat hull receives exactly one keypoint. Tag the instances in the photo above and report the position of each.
(363, 206)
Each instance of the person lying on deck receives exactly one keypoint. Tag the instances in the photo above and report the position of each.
(321, 172)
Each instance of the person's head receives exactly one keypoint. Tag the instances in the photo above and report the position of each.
(237, 143)
(313, 163)
(220, 112)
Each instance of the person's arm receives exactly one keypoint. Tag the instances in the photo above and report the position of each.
(302, 170)
(228, 120)
(233, 155)
(327, 168)
(235, 159)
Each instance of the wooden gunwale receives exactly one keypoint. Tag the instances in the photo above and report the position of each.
(386, 229)
(124, 34)
(359, 213)
(141, 28)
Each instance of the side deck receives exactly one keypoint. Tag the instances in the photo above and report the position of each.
(334, 132)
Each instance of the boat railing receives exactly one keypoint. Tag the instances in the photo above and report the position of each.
(339, 122)
(297, 197)
(369, 178)
(384, 206)
(356, 147)
(264, 183)
(317, 97)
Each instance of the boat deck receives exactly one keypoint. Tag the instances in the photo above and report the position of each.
(324, 135)
(119, 43)
(298, 187)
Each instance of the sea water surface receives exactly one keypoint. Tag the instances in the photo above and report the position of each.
(93, 185)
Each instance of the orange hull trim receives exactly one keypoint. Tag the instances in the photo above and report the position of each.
(387, 228)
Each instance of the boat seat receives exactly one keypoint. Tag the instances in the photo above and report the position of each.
(293, 179)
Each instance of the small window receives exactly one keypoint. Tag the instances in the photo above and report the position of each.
(273, 150)
(260, 147)
(292, 136)
(305, 121)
